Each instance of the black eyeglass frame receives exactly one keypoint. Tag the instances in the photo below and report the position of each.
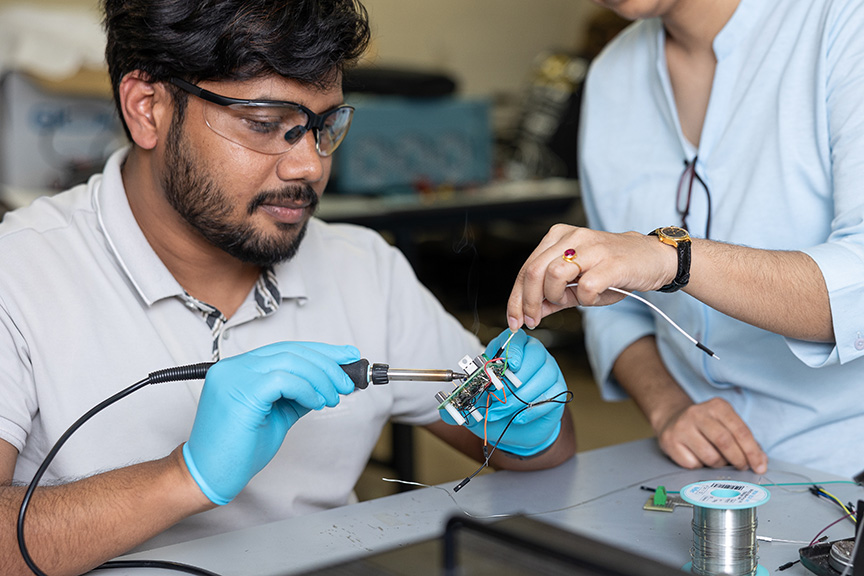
(690, 166)
(292, 136)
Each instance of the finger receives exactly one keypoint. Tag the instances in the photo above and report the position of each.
(732, 436)
(514, 351)
(527, 295)
(537, 370)
(292, 376)
(339, 354)
(308, 390)
(510, 345)
(724, 445)
(691, 451)
(753, 455)
(682, 455)
(549, 277)
(560, 274)
(526, 416)
(296, 356)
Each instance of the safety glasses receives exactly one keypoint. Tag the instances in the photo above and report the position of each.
(270, 126)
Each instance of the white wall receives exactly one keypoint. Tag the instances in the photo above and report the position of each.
(486, 45)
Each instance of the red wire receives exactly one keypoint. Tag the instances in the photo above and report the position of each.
(503, 390)
(826, 528)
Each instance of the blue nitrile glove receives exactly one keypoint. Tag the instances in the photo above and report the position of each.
(536, 428)
(249, 402)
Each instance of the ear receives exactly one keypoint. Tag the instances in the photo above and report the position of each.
(147, 108)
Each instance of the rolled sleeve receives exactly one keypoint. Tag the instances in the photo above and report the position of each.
(16, 384)
(609, 331)
(842, 266)
(841, 257)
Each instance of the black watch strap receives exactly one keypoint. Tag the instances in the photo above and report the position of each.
(682, 277)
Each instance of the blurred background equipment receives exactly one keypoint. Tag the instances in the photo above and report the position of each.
(414, 144)
(50, 137)
(57, 119)
(411, 133)
(544, 142)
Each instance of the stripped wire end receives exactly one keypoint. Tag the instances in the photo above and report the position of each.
(707, 350)
(662, 314)
(500, 352)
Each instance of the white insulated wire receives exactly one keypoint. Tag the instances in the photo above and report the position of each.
(661, 313)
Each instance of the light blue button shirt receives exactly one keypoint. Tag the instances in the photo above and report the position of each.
(782, 153)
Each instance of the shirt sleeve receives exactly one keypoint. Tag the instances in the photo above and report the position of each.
(422, 334)
(16, 383)
(609, 330)
(841, 257)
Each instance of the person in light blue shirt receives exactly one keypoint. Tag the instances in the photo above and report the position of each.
(742, 122)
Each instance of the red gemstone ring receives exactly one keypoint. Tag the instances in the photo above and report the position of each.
(570, 256)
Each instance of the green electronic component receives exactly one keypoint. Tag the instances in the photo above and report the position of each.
(465, 394)
(660, 496)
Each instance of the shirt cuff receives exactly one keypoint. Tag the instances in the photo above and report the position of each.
(842, 266)
(609, 331)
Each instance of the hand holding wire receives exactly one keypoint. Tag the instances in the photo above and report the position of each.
(662, 315)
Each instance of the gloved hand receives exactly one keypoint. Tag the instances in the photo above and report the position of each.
(249, 402)
(537, 427)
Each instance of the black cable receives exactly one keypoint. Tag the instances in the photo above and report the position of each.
(487, 455)
(163, 564)
(187, 372)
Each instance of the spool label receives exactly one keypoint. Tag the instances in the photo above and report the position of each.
(728, 494)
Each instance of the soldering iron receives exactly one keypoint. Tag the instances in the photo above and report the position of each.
(362, 373)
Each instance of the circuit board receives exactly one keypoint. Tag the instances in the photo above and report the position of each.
(465, 395)
(481, 374)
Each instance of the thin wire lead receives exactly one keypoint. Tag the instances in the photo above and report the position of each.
(662, 314)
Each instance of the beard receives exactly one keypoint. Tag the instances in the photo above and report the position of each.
(207, 208)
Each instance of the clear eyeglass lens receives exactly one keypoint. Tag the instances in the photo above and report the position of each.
(335, 128)
(260, 128)
(274, 129)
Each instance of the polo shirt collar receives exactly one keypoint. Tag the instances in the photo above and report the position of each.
(290, 274)
(145, 270)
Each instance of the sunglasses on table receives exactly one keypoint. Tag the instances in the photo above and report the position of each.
(270, 126)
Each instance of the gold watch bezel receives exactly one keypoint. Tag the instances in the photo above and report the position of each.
(672, 235)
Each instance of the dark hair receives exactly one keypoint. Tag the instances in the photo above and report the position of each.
(305, 40)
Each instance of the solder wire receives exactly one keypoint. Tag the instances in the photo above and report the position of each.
(724, 541)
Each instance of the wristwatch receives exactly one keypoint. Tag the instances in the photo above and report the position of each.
(680, 239)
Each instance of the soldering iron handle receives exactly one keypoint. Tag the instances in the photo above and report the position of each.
(358, 372)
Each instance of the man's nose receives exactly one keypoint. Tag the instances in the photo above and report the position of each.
(302, 161)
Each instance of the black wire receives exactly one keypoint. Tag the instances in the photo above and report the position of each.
(187, 372)
(488, 455)
(163, 564)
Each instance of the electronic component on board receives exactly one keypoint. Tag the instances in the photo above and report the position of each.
(481, 373)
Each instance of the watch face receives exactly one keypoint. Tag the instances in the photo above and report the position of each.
(674, 233)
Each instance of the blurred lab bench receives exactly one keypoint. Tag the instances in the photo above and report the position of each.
(404, 214)
(515, 199)
(596, 495)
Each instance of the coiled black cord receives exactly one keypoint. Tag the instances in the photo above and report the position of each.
(175, 374)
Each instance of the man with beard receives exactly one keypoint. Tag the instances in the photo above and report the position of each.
(197, 243)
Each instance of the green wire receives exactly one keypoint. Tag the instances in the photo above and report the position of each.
(810, 483)
(791, 484)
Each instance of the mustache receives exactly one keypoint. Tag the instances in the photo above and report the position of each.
(302, 194)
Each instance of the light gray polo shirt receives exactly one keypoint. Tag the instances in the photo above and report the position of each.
(87, 309)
